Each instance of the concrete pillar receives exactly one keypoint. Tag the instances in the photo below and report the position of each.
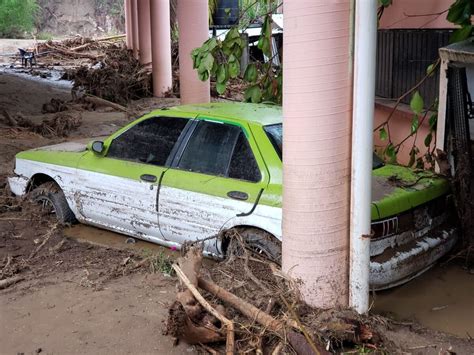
(161, 46)
(144, 32)
(128, 24)
(316, 149)
(193, 22)
(134, 16)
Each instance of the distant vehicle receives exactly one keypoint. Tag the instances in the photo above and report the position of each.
(198, 171)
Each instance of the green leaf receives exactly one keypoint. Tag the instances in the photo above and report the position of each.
(428, 139)
(412, 157)
(222, 73)
(433, 120)
(385, 3)
(253, 94)
(416, 103)
(415, 123)
(234, 69)
(390, 152)
(461, 34)
(430, 69)
(233, 33)
(460, 12)
(203, 76)
(383, 134)
(251, 73)
(208, 61)
(266, 47)
(220, 87)
(211, 43)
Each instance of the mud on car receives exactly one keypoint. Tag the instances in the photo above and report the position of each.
(199, 171)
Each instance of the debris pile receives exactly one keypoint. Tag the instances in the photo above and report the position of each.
(69, 52)
(246, 304)
(119, 78)
(60, 125)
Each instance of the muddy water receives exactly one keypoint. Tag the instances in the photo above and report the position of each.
(109, 239)
(440, 299)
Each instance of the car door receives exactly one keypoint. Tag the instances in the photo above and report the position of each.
(118, 189)
(217, 175)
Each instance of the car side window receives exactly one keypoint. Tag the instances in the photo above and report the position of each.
(220, 149)
(210, 148)
(149, 141)
(243, 165)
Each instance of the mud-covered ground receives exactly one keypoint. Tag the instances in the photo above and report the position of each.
(84, 290)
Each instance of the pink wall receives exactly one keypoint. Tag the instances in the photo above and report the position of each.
(400, 125)
(430, 14)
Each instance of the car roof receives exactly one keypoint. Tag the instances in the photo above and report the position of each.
(255, 113)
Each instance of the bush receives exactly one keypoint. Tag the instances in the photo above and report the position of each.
(17, 17)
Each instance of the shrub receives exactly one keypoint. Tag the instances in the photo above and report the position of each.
(17, 17)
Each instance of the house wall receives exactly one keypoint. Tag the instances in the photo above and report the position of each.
(416, 14)
(408, 14)
(400, 125)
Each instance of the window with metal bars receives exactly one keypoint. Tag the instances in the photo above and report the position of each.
(403, 57)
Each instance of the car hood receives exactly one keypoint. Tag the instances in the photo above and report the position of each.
(396, 189)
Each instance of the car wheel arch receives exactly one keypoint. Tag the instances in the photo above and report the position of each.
(225, 234)
(39, 179)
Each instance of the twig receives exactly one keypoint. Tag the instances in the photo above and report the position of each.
(45, 240)
(228, 323)
(300, 325)
(277, 349)
(408, 92)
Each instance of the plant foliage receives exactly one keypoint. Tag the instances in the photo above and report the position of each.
(220, 60)
(17, 17)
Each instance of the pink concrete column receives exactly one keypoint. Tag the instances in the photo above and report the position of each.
(193, 21)
(317, 137)
(144, 31)
(134, 16)
(128, 23)
(161, 46)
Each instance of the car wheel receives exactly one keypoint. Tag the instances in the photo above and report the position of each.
(257, 240)
(52, 201)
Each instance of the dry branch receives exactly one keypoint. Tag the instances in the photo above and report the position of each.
(244, 307)
(228, 323)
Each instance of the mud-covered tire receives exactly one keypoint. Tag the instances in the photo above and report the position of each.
(53, 201)
(260, 242)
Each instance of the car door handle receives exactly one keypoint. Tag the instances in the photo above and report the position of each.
(148, 178)
(238, 195)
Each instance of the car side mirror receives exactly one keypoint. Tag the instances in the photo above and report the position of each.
(97, 147)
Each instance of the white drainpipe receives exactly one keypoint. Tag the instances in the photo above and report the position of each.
(362, 147)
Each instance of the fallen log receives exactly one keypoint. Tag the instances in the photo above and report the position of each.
(10, 281)
(102, 102)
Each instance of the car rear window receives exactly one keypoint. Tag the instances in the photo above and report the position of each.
(275, 134)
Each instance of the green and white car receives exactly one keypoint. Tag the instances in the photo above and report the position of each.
(200, 171)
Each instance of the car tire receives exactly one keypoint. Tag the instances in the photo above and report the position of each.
(53, 201)
(260, 242)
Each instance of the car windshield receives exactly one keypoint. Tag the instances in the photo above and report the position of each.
(275, 133)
